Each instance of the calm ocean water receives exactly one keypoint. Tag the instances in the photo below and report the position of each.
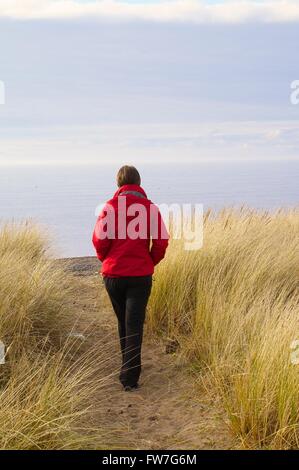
(64, 198)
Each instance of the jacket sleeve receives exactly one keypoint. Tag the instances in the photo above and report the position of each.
(160, 238)
(100, 237)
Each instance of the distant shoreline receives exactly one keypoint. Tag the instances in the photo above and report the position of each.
(81, 265)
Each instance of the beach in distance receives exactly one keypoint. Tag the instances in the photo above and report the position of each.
(64, 198)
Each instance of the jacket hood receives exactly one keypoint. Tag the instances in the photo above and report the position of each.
(130, 187)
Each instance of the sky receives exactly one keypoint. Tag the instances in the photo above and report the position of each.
(135, 81)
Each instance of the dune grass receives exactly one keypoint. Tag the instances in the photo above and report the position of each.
(233, 308)
(32, 289)
(45, 385)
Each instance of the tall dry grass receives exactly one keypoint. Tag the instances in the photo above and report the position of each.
(45, 386)
(233, 306)
(32, 289)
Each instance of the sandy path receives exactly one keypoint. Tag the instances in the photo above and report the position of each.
(170, 410)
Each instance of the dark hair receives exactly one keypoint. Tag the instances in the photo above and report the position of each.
(127, 175)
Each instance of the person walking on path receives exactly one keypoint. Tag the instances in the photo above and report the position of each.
(130, 239)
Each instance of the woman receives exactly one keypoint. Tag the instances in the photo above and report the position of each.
(130, 238)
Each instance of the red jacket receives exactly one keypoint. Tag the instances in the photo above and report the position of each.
(130, 236)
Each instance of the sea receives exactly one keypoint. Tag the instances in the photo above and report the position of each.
(63, 199)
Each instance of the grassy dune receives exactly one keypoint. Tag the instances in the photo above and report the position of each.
(44, 384)
(233, 308)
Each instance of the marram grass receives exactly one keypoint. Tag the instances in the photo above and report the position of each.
(234, 307)
(46, 387)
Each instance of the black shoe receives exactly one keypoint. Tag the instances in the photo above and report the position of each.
(131, 388)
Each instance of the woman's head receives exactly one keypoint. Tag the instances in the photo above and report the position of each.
(127, 175)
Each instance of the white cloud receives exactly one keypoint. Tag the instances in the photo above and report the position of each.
(148, 143)
(197, 11)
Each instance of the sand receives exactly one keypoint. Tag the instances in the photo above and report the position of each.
(172, 409)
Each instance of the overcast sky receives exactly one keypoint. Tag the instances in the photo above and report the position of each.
(103, 81)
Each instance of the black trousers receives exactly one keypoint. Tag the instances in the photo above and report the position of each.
(129, 297)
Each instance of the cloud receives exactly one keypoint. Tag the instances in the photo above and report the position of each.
(152, 143)
(196, 11)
